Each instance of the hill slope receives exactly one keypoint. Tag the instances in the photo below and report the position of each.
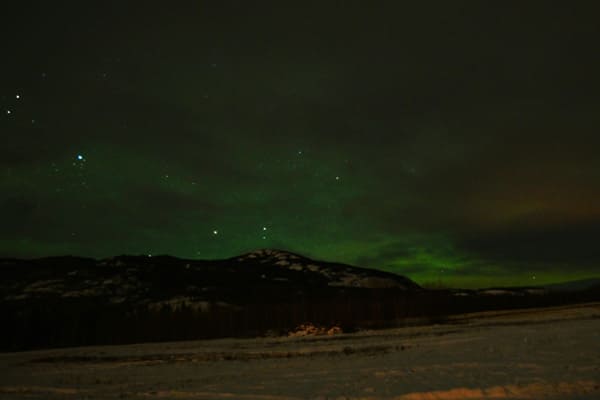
(139, 280)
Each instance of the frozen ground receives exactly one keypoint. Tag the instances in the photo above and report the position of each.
(527, 354)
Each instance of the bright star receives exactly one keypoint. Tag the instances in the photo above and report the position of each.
(215, 232)
(264, 228)
(18, 97)
(79, 157)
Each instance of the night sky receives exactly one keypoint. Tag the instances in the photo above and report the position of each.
(451, 141)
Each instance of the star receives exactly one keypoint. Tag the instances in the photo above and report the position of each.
(8, 112)
(80, 157)
(337, 178)
(18, 97)
(215, 232)
(264, 228)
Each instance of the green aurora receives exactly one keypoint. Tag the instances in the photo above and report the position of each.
(435, 142)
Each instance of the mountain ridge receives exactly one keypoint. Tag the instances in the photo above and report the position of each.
(158, 278)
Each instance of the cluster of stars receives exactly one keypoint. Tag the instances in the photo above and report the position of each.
(10, 111)
(168, 177)
(80, 161)
(293, 165)
(264, 229)
(70, 178)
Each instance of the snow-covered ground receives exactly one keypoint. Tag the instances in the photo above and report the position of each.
(527, 354)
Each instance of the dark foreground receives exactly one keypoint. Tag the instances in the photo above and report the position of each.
(69, 301)
(549, 353)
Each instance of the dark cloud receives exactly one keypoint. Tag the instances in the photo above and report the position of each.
(16, 213)
(539, 246)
